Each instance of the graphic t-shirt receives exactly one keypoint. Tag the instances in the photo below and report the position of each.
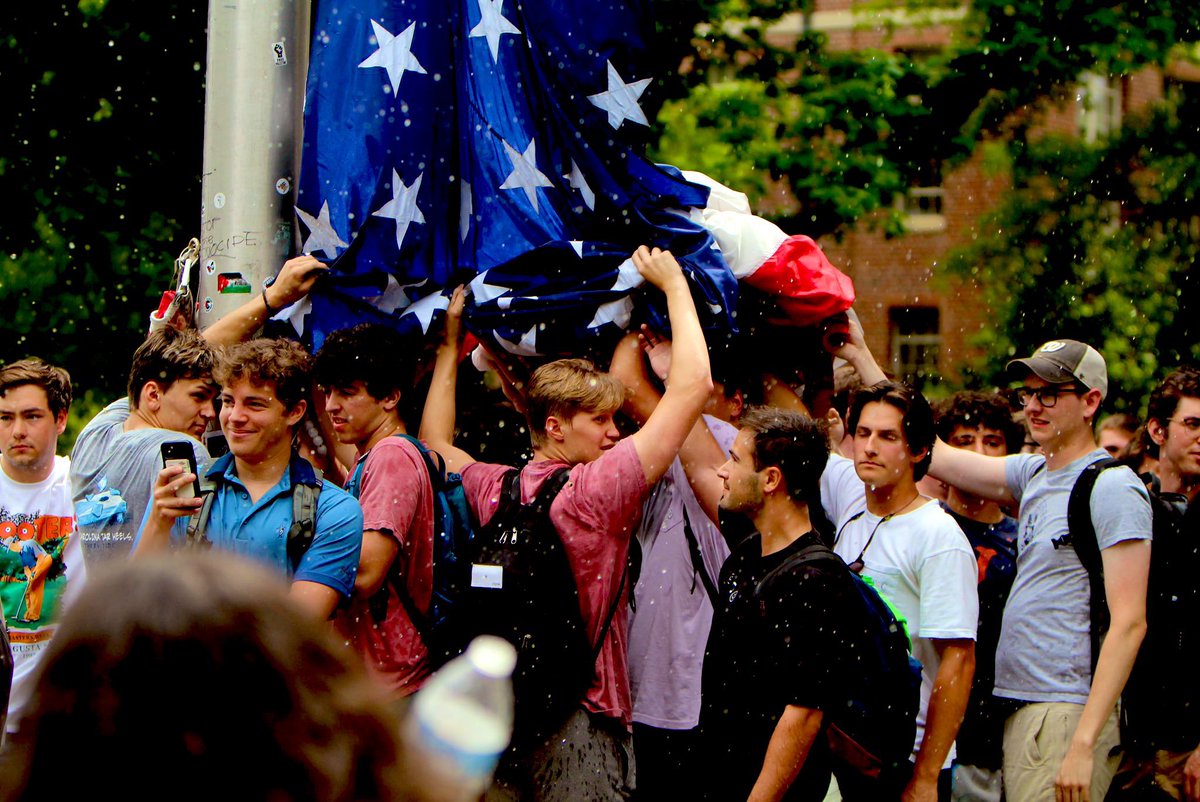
(112, 478)
(39, 553)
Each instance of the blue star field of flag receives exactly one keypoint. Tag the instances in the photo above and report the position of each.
(497, 145)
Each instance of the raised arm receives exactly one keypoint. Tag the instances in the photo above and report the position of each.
(437, 419)
(295, 279)
(165, 509)
(856, 353)
(700, 453)
(970, 471)
(689, 384)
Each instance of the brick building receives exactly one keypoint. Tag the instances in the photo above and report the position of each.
(917, 322)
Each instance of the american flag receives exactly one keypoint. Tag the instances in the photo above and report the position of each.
(498, 144)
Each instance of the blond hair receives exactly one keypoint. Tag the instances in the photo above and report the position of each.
(564, 387)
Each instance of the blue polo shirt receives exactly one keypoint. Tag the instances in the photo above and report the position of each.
(258, 530)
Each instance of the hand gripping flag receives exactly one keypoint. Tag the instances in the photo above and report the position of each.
(495, 144)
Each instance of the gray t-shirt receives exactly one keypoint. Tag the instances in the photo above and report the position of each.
(112, 477)
(1045, 640)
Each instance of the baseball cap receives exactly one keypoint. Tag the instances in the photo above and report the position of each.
(1061, 361)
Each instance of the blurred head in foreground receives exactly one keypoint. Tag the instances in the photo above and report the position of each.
(193, 676)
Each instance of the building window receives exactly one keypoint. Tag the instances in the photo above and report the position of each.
(922, 205)
(915, 342)
(1099, 101)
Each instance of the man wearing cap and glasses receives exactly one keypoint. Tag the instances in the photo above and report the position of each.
(1060, 739)
(920, 561)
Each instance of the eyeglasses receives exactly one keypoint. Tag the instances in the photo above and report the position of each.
(1190, 425)
(1046, 396)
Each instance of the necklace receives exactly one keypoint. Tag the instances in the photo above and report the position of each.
(858, 564)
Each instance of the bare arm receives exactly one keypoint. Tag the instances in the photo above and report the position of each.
(970, 471)
(296, 278)
(689, 384)
(379, 550)
(1126, 570)
(859, 357)
(317, 599)
(437, 419)
(787, 750)
(700, 453)
(165, 509)
(947, 706)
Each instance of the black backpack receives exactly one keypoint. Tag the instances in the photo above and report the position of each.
(876, 728)
(523, 590)
(1081, 535)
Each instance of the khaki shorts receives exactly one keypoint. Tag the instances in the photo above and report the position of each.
(1036, 738)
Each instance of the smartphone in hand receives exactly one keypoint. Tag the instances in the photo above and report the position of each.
(178, 452)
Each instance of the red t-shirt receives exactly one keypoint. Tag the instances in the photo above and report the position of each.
(397, 500)
(595, 514)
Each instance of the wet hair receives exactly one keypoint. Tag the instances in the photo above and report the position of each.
(55, 381)
(915, 412)
(972, 409)
(283, 364)
(167, 355)
(368, 352)
(1180, 384)
(565, 387)
(194, 667)
(792, 442)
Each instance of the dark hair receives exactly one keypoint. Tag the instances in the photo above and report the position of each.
(55, 381)
(972, 409)
(167, 355)
(914, 410)
(196, 666)
(284, 364)
(792, 442)
(368, 352)
(1180, 384)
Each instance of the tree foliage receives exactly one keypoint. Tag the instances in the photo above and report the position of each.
(100, 166)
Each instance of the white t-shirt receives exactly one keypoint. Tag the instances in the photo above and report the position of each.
(923, 565)
(39, 553)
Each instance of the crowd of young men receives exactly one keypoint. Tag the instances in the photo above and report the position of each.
(725, 662)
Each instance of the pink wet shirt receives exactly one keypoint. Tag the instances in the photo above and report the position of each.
(595, 514)
(396, 500)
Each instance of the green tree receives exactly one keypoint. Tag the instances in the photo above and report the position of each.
(99, 168)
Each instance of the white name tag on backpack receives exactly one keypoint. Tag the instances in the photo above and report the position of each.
(487, 576)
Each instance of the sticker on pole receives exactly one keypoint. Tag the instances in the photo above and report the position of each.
(280, 54)
(232, 284)
(219, 200)
(282, 186)
(208, 304)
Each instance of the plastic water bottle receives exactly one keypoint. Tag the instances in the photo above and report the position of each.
(460, 723)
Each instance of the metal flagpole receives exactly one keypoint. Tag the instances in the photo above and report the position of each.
(253, 106)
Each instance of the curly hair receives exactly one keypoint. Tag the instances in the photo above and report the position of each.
(284, 364)
(370, 353)
(972, 409)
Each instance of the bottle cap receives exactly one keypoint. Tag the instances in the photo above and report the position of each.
(492, 656)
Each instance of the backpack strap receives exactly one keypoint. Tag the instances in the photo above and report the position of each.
(198, 524)
(305, 492)
(698, 568)
(1081, 531)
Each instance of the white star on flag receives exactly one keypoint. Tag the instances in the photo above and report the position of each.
(526, 347)
(492, 24)
(620, 310)
(580, 183)
(525, 174)
(296, 314)
(425, 307)
(577, 246)
(321, 234)
(394, 54)
(402, 207)
(483, 292)
(621, 99)
(466, 207)
(394, 296)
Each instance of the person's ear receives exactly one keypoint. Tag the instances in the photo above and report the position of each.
(391, 401)
(1157, 432)
(554, 429)
(772, 479)
(151, 396)
(296, 413)
(60, 422)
